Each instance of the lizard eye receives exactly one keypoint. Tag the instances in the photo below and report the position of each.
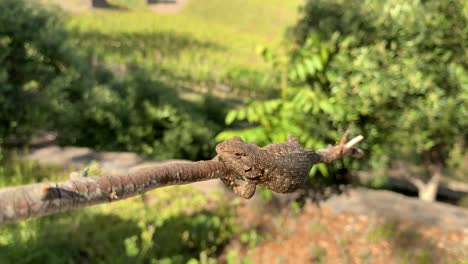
(238, 154)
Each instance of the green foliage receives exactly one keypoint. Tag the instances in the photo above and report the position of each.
(457, 163)
(256, 82)
(298, 108)
(141, 114)
(394, 70)
(179, 49)
(37, 67)
(234, 258)
(382, 232)
(403, 67)
(199, 47)
(318, 254)
(127, 109)
(252, 238)
(43, 86)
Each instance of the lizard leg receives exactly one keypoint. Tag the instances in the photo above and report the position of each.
(246, 190)
(336, 152)
(344, 138)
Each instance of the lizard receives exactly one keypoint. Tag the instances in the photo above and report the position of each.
(280, 167)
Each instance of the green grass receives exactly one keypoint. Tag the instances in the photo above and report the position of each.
(267, 19)
(207, 43)
(382, 232)
(15, 171)
(180, 46)
(317, 227)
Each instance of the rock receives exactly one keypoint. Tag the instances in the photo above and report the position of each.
(394, 206)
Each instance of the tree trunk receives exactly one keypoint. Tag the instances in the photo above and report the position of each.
(428, 191)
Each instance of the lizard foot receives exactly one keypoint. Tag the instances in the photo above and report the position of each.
(246, 190)
(342, 149)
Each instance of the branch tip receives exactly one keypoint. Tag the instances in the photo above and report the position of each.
(353, 142)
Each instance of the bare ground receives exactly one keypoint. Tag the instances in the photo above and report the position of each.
(320, 235)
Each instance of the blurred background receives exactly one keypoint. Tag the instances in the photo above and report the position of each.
(114, 84)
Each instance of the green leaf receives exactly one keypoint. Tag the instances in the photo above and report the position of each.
(326, 106)
(310, 66)
(301, 72)
(230, 117)
(317, 62)
(323, 169)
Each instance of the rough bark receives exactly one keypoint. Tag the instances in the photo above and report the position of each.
(22, 202)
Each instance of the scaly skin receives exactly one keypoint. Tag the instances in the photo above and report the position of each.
(280, 167)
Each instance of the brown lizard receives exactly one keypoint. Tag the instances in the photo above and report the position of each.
(280, 167)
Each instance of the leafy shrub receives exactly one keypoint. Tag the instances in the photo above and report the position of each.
(258, 83)
(292, 111)
(37, 67)
(46, 83)
(457, 163)
(140, 114)
(396, 70)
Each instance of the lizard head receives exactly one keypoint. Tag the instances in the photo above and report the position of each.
(238, 155)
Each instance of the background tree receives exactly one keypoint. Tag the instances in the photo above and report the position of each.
(139, 113)
(47, 83)
(38, 68)
(396, 69)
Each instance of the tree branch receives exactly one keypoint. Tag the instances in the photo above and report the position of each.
(416, 182)
(23, 202)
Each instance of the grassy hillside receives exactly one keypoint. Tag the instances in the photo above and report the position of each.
(256, 17)
(208, 42)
